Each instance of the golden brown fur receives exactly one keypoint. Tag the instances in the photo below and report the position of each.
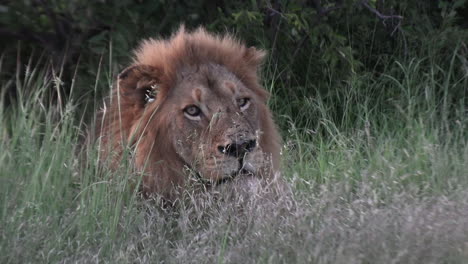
(216, 74)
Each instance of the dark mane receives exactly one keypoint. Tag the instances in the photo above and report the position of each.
(200, 47)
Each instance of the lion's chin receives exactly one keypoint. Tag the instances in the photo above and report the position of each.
(225, 178)
(242, 184)
(225, 173)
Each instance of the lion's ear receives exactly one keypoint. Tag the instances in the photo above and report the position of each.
(139, 83)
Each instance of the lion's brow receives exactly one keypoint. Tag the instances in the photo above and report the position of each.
(230, 86)
(197, 93)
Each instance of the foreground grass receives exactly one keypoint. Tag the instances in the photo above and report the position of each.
(385, 182)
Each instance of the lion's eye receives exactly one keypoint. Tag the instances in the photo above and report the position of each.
(243, 103)
(192, 112)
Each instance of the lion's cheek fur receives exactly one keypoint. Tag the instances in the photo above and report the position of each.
(270, 140)
(258, 162)
(186, 143)
(158, 163)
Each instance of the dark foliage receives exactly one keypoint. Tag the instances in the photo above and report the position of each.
(313, 44)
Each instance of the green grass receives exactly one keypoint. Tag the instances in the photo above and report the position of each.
(378, 171)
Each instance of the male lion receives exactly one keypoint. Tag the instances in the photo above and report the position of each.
(193, 103)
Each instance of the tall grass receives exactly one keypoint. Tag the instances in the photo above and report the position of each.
(378, 171)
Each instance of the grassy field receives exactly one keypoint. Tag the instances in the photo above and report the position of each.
(378, 172)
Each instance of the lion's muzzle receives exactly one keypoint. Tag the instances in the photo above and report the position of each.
(238, 148)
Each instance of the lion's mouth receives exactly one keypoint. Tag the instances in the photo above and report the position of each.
(231, 178)
(245, 169)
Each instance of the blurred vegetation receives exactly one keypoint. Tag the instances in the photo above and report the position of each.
(313, 44)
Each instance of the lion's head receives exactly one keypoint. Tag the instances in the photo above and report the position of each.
(192, 102)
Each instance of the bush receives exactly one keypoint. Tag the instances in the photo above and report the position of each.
(316, 47)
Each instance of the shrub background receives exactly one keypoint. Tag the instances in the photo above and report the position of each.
(313, 45)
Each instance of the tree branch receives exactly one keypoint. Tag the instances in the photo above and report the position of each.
(321, 11)
(383, 17)
(377, 13)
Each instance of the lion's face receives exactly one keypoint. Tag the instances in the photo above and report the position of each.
(215, 123)
(193, 101)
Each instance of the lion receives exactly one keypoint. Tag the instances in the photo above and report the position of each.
(190, 105)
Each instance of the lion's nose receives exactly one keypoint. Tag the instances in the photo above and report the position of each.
(239, 148)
